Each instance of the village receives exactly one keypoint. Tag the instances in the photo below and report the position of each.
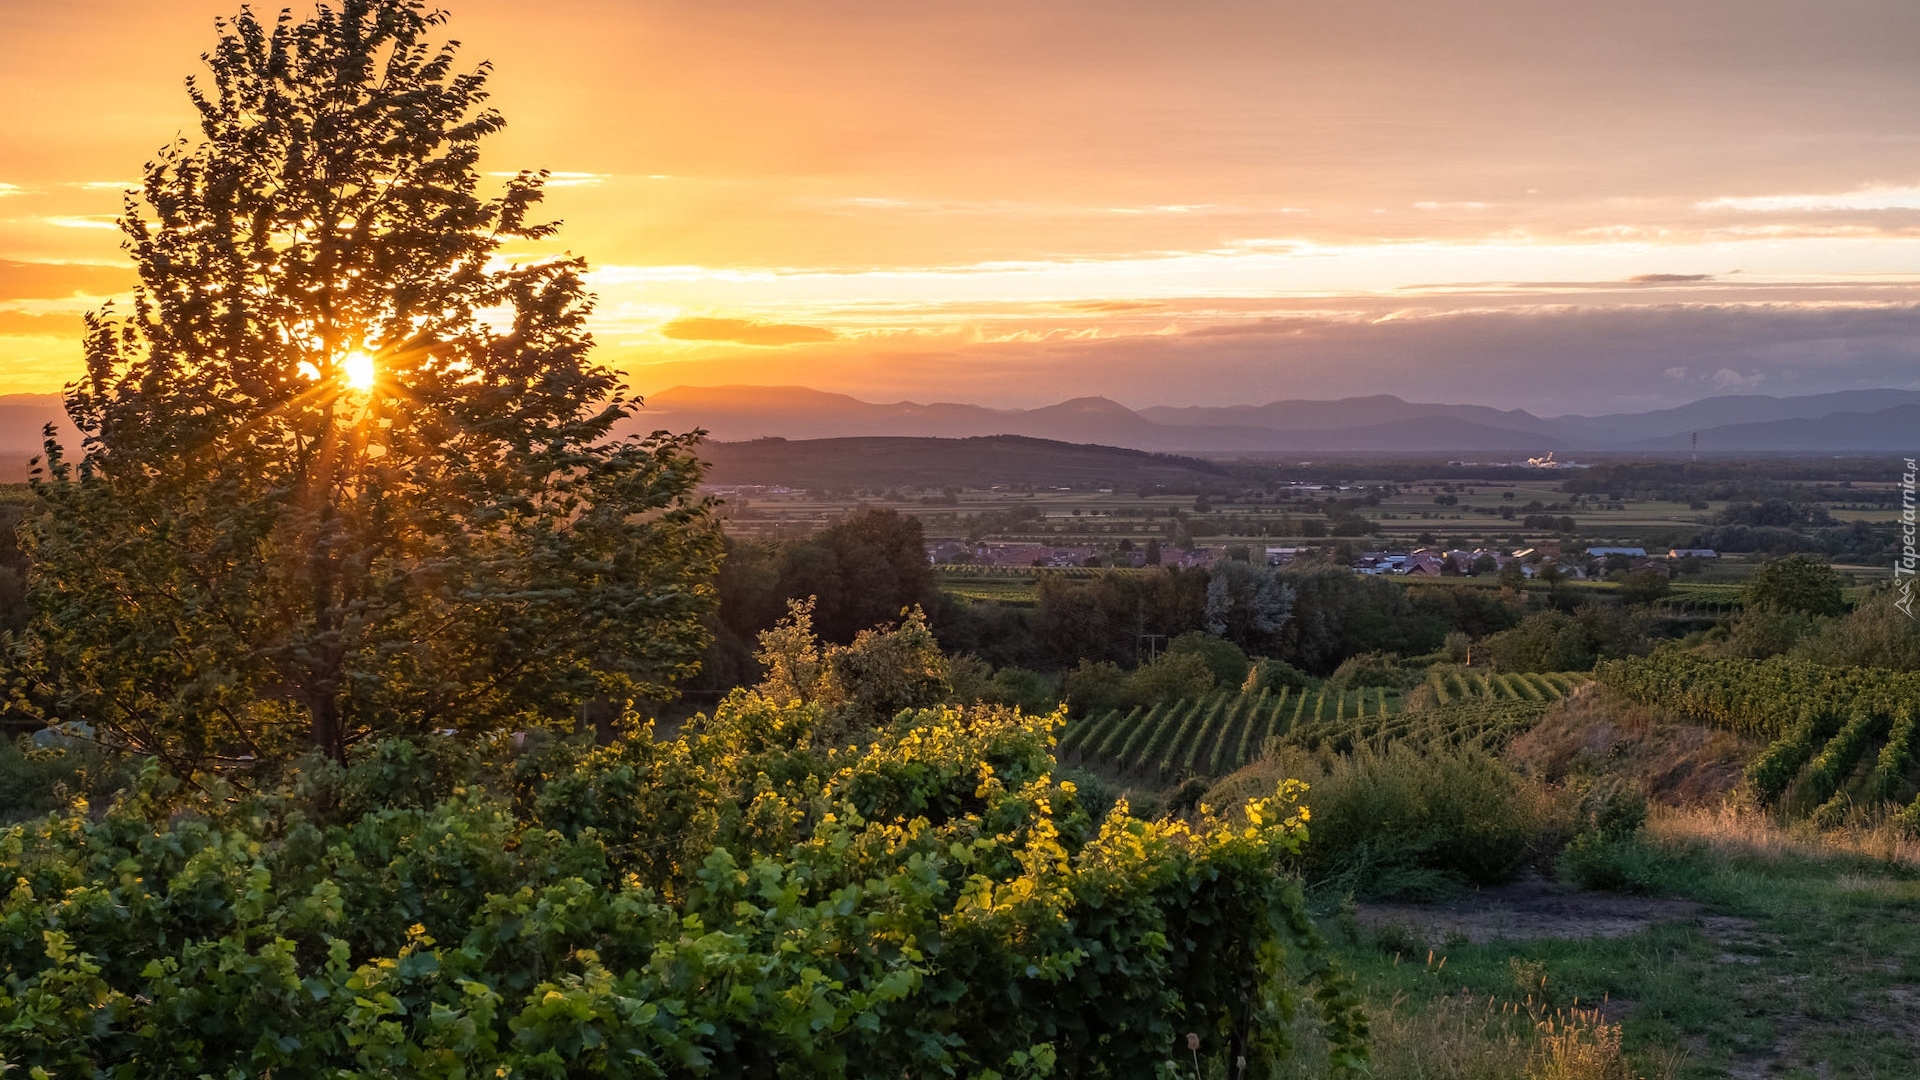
(1545, 560)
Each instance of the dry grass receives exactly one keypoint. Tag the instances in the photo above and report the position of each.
(1592, 732)
(1584, 1048)
(1744, 831)
(1456, 1037)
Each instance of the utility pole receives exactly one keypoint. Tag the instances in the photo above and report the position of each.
(1153, 645)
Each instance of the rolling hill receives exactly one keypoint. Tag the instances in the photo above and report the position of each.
(980, 461)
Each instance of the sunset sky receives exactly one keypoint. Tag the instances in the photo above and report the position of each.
(1561, 207)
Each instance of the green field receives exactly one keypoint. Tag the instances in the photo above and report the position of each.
(1218, 733)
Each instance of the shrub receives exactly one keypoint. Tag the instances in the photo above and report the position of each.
(1373, 669)
(1225, 659)
(1275, 675)
(1797, 583)
(738, 901)
(1404, 821)
(1171, 677)
(43, 775)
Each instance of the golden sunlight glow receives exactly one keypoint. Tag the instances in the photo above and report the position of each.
(357, 370)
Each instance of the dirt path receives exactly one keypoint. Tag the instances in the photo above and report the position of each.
(1525, 910)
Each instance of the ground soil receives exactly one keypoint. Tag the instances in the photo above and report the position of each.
(1525, 910)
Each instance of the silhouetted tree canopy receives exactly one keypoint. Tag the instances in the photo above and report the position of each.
(348, 466)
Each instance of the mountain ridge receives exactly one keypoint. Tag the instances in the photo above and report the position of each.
(1848, 421)
(1379, 422)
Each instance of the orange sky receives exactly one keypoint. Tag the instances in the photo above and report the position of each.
(1201, 203)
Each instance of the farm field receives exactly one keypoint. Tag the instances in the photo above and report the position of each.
(1220, 732)
(1839, 738)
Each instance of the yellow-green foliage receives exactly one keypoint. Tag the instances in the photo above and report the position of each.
(737, 901)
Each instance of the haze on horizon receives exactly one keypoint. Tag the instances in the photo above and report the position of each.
(1568, 209)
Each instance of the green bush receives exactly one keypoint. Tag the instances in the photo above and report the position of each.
(1172, 677)
(1593, 860)
(1225, 659)
(1275, 675)
(1405, 822)
(739, 901)
(1373, 669)
(35, 779)
(1610, 806)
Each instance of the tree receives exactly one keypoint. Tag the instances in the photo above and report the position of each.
(1247, 604)
(1644, 585)
(862, 570)
(1796, 583)
(349, 468)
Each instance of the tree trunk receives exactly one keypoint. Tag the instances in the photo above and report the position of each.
(326, 733)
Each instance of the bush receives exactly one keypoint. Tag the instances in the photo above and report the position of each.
(1225, 659)
(1555, 641)
(1094, 687)
(1275, 675)
(1797, 583)
(1406, 822)
(1373, 669)
(1172, 677)
(1875, 634)
(37, 778)
(738, 901)
(1610, 863)
(1611, 807)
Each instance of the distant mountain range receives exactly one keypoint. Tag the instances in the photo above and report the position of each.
(982, 461)
(1853, 421)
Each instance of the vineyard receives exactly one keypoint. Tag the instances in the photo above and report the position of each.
(1218, 733)
(1837, 737)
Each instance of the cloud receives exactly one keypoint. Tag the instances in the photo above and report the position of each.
(83, 221)
(12, 189)
(1113, 305)
(745, 331)
(29, 324)
(20, 280)
(565, 179)
(1551, 359)
(1879, 198)
(1668, 279)
(1676, 372)
(1429, 204)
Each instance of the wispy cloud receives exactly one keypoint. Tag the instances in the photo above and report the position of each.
(82, 221)
(566, 179)
(745, 331)
(1878, 198)
(12, 189)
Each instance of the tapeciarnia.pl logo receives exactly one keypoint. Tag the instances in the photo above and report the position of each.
(1907, 564)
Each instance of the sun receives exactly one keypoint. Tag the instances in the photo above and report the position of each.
(357, 369)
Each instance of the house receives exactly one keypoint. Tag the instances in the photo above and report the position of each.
(1280, 556)
(1423, 564)
(1629, 552)
(1692, 553)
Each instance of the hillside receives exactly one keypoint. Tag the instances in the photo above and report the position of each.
(972, 462)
